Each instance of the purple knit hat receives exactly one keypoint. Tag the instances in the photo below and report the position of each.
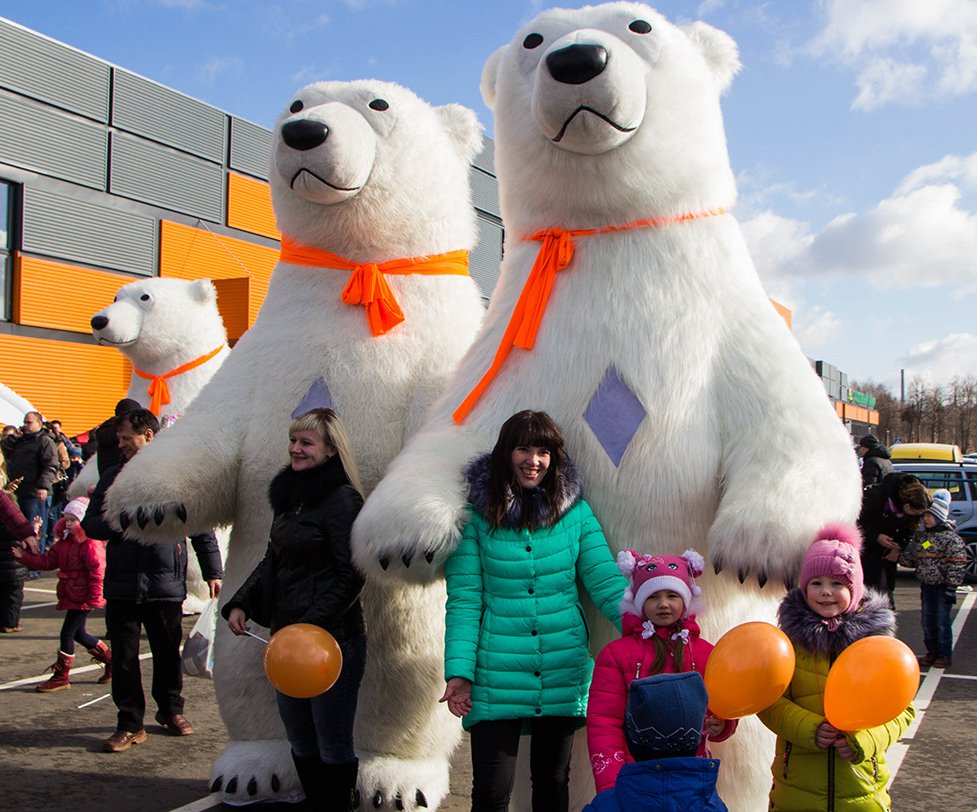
(835, 553)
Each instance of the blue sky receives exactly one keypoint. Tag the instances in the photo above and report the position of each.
(852, 130)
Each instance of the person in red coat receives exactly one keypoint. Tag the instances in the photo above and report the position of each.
(660, 636)
(80, 562)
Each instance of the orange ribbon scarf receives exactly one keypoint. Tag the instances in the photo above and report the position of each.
(367, 285)
(159, 389)
(554, 256)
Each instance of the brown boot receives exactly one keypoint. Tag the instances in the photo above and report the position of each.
(59, 681)
(101, 654)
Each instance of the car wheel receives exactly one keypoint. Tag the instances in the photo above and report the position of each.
(971, 547)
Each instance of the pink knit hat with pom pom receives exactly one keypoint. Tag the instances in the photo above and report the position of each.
(650, 573)
(835, 554)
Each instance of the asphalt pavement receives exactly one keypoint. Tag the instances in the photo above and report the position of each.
(50, 744)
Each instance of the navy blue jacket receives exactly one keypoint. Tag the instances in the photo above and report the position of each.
(685, 784)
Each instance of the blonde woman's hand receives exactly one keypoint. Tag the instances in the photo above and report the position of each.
(458, 695)
(237, 620)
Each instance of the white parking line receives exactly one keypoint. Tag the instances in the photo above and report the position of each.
(37, 606)
(38, 589)
(210, 802)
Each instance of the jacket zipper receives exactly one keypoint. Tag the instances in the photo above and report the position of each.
(787, 748)
(831, 779)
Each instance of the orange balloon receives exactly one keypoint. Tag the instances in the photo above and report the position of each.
(303, 660)
(748, 670)
(871, 683)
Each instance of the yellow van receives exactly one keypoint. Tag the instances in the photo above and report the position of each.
(931, 452)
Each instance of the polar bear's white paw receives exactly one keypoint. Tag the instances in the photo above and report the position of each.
(386, 782)
(251, 772)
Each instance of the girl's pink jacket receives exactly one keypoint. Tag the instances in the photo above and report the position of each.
(80, 562)
(622, 661)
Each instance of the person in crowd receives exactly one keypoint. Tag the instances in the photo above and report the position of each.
(876, 460)
(939, 557)
(32, 457)
(105, 444)
(660, 636)
(516, 643)
(888, 518)
(307, 576)
(80, 562)
(817, 766)
(145, 585)
(663, 716)
(58, 496)
(15, 530)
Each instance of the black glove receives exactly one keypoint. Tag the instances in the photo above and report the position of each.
(950, 595)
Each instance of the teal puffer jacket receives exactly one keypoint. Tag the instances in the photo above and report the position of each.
(515, 627)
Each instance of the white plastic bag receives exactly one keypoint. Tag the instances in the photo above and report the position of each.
(198, 650)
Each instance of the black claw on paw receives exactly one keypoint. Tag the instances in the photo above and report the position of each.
(124, 521)
(181, 512)
(356, 799)
(276, 784)
(399, 803)
(762, 579)
(384, 563)
(742, 576)
(717, 567)
(232, 785)
(253, 786)
(218, 783)
(158, 516)
(142, 518)
(378, 796)
(429, 556)
(420, 799)
(788, 583)
(407, 558)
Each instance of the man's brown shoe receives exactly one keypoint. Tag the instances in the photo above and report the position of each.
(122, 740)
(942, 662)
(176, 725)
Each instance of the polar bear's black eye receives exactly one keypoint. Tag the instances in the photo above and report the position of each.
(532, 41)
(145, 297)
(379, 104)
(296, 106)
(640, 26)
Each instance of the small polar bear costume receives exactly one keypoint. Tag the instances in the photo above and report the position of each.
(173, 333)
(370, 190)
(629, 309)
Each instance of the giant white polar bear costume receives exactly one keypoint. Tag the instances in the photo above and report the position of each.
(689, 409)
(173, 333)
(371, 174)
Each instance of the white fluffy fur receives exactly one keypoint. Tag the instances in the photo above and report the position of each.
(160, 324)
(220, 457)
(741, 455)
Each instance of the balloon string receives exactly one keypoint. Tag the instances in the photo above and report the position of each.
(865, 782)
(250, 634)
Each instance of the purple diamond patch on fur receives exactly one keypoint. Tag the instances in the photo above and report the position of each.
(614, 414)
(317, 398)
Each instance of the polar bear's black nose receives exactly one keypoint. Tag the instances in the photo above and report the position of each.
(99, 322)
(577, 64)
(304, 134)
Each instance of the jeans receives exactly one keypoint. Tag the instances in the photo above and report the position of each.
(322, 727)
(163, 621)
(495, 744)
(73, 629)
(937, 628)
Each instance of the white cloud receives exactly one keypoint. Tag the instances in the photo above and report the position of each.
(815, 328)
(959, 169)
(214, 67)
(906, 51)
(776, 243)
(938, 361)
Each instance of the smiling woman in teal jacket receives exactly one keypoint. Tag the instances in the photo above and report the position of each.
(517, 656)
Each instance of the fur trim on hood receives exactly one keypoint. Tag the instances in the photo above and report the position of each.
(806, 628)
(291, 489)
(568, 489)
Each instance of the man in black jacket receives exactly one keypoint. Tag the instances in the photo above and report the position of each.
(145, 585)
(876, 460)
(33, 457)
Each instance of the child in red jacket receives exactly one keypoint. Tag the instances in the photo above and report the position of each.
(80, 562)
(660, 636)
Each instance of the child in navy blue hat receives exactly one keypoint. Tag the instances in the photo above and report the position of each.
(663, 727)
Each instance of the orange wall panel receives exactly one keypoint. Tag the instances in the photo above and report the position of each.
(60, 296)
(193, 253)
(249, 206)
(78, 384)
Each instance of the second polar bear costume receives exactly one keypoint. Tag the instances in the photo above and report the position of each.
(368, 311)
(629, 309)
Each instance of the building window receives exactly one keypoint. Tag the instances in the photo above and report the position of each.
(6, 246)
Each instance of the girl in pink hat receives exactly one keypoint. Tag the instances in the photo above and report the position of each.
(660, 636)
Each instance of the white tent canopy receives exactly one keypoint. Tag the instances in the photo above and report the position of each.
(13, 407)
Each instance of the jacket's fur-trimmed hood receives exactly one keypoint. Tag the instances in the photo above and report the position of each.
(289, 488)
(806, 628)
(568, 489)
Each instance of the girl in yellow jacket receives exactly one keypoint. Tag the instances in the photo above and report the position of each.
(818, 767)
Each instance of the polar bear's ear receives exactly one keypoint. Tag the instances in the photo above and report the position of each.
(719, 49)
(203, 291)
(463, 128)
(490, 75)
